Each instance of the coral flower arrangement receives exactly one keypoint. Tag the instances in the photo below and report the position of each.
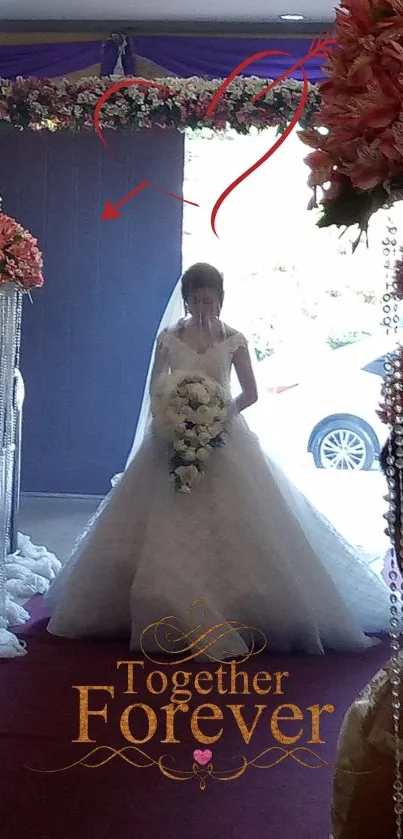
(358, 160)
(20, 258)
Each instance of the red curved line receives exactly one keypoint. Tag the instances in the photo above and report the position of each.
(217, 96)
(280, 78)
(265, 157)
(112, 89)
(284, 75)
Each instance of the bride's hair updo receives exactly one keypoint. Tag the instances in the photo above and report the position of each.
(202, 275)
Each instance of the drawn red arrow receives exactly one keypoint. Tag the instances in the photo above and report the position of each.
(178, 197)
(112, 210)
(318, 49)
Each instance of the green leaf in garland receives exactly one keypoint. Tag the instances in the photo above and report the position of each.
(352, 206)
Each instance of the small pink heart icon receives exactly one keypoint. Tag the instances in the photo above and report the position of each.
(202, 756)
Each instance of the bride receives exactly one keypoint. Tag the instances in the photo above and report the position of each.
(244, 540)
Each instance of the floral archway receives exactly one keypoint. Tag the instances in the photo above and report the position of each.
(42, 105)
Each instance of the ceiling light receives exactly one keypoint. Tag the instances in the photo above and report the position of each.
(292, 17)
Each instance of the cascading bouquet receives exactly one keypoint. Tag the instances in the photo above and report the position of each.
(20, 258)
(191, 411)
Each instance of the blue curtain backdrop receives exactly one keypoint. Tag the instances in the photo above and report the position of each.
(87, 338)
(181, 56)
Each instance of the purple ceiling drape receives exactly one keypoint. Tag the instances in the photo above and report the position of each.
(182, 56)
(216, 57)
(47, 60)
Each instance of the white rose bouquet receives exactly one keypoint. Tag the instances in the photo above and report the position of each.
(192, 412)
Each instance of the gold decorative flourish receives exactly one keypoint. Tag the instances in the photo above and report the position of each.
(165, 763)
(172, 640)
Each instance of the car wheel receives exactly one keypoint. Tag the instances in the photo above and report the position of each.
(343, 445)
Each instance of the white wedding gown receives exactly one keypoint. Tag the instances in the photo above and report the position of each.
(245, 540)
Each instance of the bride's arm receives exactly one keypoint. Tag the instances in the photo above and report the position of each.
(246, 377)
(161, 360)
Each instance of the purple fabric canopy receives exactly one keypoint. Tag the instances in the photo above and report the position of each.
(216, 57)
(48, 60)
(182, 56)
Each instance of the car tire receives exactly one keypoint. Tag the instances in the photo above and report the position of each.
(325, 442)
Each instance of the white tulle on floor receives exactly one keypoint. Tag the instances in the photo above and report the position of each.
(28, 571)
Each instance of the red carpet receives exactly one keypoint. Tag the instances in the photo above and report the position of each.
(39, 721)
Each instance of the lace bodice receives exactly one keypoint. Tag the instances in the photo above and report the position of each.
(215, 362)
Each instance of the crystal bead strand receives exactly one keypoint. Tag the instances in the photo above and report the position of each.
(393, 402)
(13, 416)
(18, 321)
(9, 429)
(3, 370)
(8, 300)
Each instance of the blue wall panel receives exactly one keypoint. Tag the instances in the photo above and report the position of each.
(88, 335)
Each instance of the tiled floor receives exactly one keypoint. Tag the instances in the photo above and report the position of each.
(55, 522)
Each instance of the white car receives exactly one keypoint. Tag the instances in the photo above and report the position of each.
(330, 411)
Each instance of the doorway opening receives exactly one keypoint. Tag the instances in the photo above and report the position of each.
(312, 312)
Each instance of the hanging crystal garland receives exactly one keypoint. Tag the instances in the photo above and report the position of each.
(394, 403)
(10, 337)
(17, 407)
(21, 271)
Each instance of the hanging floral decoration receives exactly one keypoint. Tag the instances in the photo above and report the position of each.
(43, 104)
(20, 258)
(358, 150)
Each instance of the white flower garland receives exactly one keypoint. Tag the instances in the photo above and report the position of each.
(69, 105)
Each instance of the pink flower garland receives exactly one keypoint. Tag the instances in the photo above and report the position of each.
(20, 258)
(39, 104)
